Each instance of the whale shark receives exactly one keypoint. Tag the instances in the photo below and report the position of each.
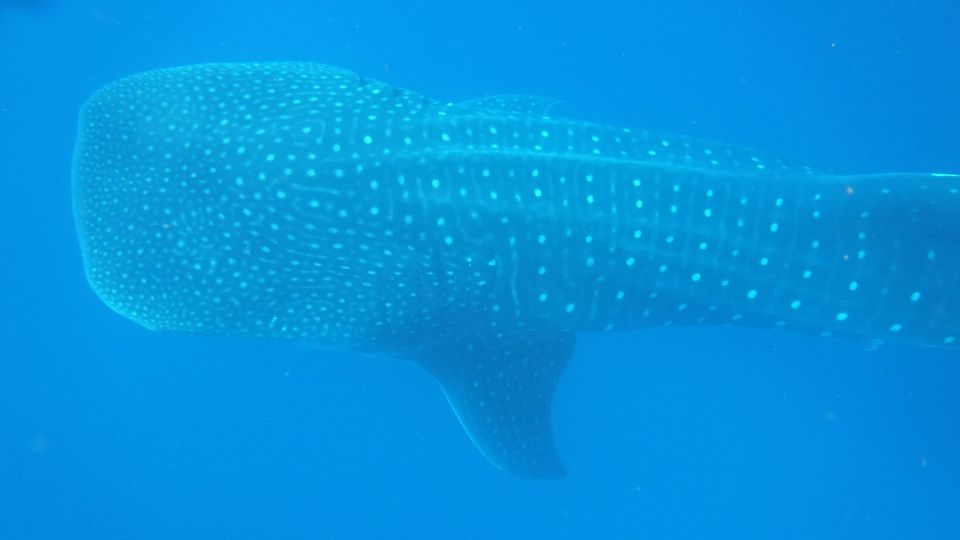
(304, 203)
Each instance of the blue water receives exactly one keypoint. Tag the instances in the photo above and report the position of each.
(110, 431)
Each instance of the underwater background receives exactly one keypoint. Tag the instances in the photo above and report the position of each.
(108, 430)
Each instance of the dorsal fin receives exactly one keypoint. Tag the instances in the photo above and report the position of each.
(513, 103)
(500, 386)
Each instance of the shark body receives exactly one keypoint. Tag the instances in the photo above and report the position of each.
(300, 202)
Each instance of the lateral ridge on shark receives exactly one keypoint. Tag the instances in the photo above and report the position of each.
(301, 202)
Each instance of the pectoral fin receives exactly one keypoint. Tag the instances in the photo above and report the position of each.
(501, 387)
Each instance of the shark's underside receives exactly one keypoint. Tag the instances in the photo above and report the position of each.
(300, 202)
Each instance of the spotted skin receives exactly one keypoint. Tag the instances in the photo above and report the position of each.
(300, 202)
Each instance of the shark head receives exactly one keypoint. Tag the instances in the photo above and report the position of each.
(231, 199)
